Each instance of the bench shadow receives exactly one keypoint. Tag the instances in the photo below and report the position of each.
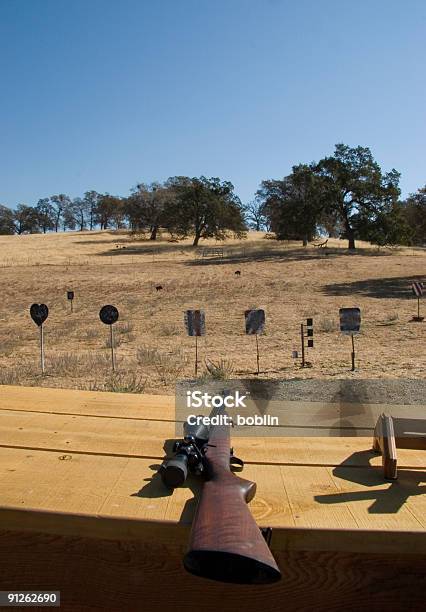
(385, 500)
(293, 254)
(390, 287)
(149, 248)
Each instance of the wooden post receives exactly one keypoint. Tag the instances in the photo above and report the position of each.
(417, 289)
(257, 351)
(302, 336)
(112, 347)
(196, 355)
(42, 348)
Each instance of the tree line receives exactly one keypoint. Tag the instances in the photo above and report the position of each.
(201, 207)
(344, 195)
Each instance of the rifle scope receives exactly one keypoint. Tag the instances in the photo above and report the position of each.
(188, 456)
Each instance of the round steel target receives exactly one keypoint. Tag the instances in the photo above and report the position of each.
(108, 314)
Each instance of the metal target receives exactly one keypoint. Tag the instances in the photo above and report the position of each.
(108, 314)
(255, 321)
(195, 322)
(39, 313)
(350, 320)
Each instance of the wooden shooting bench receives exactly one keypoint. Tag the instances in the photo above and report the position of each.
(321, 245)
(83, 511)
(212, 252)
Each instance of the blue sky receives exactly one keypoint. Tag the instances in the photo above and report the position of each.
(100, 94)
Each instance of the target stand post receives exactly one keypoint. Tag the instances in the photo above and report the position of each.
(70, 298)
(196, 355)
(350, 324)
(111, 338)
(109, 315)
(42, 349)
(39, 314)
(257, 355)
(309, 336)
(417, 288)
(195, 324)
(254, 325)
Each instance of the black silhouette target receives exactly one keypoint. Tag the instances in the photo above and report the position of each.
(108, 314)
(39, 313)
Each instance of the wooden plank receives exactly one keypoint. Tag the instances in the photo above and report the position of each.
(301, 496)
(108, 575)
(139, 438)
(271, 505)
(410, 433)
(373, 502)
(302, 484)
(140, 492)
(318, 451)
(85, 434)
(71, 401)
(51, 481)
(116, 486)
(416, 501)
(160, 407)
(165, 533)
(11, 460)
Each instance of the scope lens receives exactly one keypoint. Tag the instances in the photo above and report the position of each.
(175, 471)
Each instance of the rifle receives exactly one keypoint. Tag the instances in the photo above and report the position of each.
(225, 542)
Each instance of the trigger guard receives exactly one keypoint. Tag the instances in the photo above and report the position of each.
(236, 463)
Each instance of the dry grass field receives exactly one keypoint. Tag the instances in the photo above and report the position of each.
(153, 351)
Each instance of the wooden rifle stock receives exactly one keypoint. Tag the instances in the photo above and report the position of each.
(225, 542)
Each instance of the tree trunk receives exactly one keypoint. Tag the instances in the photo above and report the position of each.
(351, 240)
(349, 230)
(154, 231)
(196, 240)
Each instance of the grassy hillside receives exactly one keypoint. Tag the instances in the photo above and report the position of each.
(289, 282)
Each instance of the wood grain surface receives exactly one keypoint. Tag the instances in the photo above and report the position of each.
(113, 575)
(82, 509)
